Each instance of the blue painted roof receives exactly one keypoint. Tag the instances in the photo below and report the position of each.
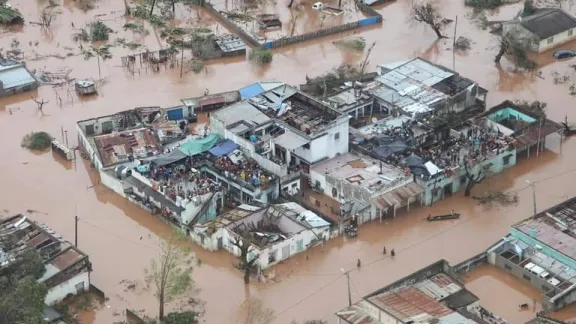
(251, 91)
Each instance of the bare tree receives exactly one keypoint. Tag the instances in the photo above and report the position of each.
(170, 273)
(253, 311)
(428, 14)
(474, 179)
(46, 17)
(40, 105)
(517, 50)
(244, 243)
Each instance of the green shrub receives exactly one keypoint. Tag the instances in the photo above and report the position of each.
(37, 141)
(261, 56)
(484, 4)
(99, 31)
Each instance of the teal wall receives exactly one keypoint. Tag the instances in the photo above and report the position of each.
(509, 112)
(210, 213)
(545, 249)
(441, 182)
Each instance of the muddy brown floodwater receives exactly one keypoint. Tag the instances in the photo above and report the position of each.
(313, 287)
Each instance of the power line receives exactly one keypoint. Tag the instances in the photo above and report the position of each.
(417, 243)
(116, 235)
(312, 294)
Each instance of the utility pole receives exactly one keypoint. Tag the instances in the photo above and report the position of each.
(454, 46)
(533, 185)
(347, 274)
(75, 226)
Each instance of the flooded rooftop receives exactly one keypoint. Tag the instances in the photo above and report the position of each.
(555, 228)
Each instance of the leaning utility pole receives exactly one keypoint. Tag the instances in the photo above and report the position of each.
(347, 273)
(75, 226)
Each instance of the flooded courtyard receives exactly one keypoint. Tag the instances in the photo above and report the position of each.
(121, 238)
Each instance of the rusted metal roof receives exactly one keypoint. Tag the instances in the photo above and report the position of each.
(212, 101)
(398, 197)
(66, 259)
(439, 286)
(407, 303)
(356, 314)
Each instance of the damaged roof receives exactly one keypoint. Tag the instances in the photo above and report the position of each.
(548, 22)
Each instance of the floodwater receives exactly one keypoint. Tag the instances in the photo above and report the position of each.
(487, 280)
(121, 238)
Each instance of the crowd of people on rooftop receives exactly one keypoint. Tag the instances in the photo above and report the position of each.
(247, 170)
(181, 180)
(472, 144)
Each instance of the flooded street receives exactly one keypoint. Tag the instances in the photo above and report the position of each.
(309, 285)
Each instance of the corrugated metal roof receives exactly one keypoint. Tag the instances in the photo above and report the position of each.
(240, 111)
(357, 314)
(438, 287)
(16, 77)
(410, 303)
(398, 196)
(230, 43)
(250, 91)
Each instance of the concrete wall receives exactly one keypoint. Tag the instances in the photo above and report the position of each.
(519, 272)
(555, 254)
(86, 144)
(532, 42)
(113, 183)
(230, 24)
(434, 189)
(279, 249)
(59, 292)
(375, 19)
(556, 40)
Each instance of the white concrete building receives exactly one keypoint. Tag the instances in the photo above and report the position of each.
(543, 30)
(277, 231)
(284, 130)
(373, 188)
(67, 268)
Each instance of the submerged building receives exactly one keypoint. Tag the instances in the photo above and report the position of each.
(67, 268)
(432, 295)
(15, 78)
(541, 251)
(275, 232)
(152, 160)
(283, 130)
(419, 88)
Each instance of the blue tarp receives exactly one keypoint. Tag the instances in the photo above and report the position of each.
(251, 91)
(224, 148)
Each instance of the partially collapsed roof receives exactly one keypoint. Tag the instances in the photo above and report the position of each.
(548, 22)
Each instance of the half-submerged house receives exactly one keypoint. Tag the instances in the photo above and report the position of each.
(276, 232)
(543, 30)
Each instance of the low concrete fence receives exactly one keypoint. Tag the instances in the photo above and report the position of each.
(230, 24)
(471, 263)
(374, 18)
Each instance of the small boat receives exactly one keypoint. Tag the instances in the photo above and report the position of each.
(443, 217)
